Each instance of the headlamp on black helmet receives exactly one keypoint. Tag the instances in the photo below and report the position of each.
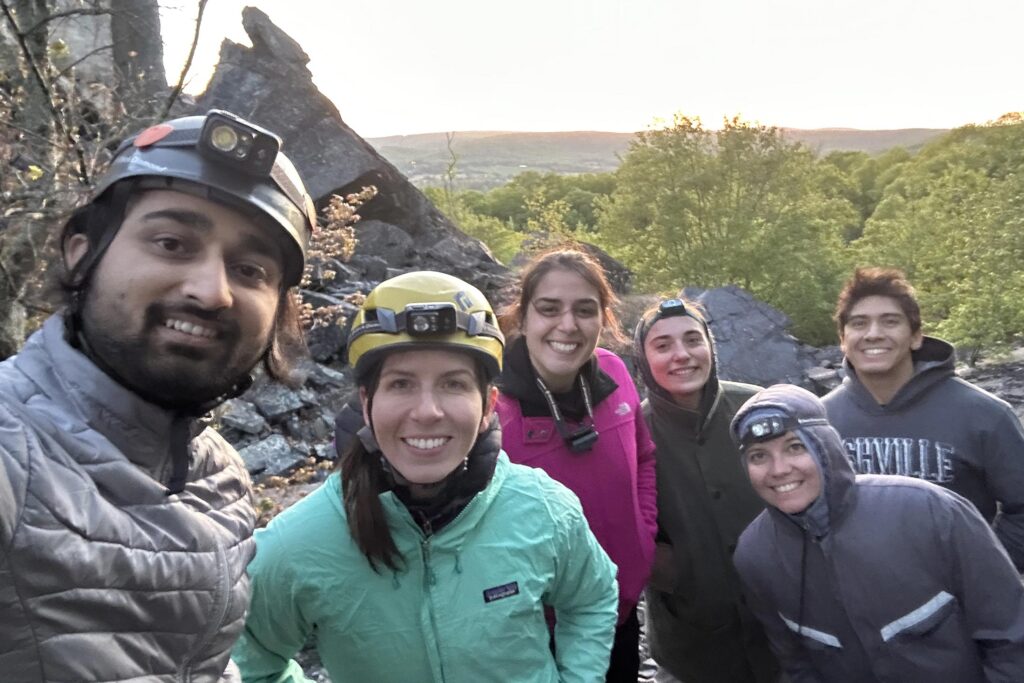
(217, 156)
(227, 139)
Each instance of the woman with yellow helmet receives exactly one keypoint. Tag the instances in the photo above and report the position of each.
(429, 556)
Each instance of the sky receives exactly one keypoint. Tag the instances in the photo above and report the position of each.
(399, 67)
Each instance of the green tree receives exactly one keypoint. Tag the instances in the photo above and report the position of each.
(694, 206)
(503, 241)
(951, 219)
(511, 202)
(860, 179)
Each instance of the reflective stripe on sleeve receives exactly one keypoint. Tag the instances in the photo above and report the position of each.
(891, 630)
(813, 634)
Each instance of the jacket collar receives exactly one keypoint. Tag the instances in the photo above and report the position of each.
(933, 362)
(693, 422)
(519, 380)
(146, 434)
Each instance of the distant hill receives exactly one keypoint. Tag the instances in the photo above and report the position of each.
(487, 159)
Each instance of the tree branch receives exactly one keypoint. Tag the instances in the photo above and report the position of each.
(188, 63)
(83, 171)
(90, 53)
(53, 16)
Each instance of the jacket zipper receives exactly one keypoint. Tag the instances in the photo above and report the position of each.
(180, 436)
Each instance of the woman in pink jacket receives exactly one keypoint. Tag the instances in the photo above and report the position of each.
(572, 409)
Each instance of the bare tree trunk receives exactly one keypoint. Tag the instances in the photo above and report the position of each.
(138, 55)
(25, 44)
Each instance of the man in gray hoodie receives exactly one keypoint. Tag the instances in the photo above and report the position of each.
(126, 523)
(902, 410)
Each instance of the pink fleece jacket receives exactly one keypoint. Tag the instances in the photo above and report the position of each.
(614, 481)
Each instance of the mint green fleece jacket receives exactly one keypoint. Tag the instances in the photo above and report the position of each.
(468, 606)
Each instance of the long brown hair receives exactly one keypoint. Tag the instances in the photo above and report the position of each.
(363, 478)
(575, 261)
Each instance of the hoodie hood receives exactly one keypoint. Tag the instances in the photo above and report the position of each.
(822, 442)
(933, 362)
(709, 396)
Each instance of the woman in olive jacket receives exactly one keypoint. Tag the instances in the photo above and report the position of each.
(699, 629)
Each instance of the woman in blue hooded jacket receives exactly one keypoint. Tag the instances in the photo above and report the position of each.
(873, 577)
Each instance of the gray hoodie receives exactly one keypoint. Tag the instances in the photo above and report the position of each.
(942, 429)
(905, 583)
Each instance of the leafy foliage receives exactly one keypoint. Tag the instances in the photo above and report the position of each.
(499, 236)
(953, 220)
(693, 206)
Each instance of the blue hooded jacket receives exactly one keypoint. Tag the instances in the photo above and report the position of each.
(903, 582)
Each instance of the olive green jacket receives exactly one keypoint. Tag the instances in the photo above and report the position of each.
(699, 628)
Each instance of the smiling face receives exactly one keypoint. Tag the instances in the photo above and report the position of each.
(784, 473)
(427, 412)
(562, 325)
(877, 340)
(679, 355)
(182, 304)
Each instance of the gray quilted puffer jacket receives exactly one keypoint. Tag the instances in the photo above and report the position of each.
(104, 575)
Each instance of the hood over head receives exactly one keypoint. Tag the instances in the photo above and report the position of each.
(789, 402)
(669, 308)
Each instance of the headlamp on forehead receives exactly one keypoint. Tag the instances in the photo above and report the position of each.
(671, 307)
(428, 319)
(772, 427)
(240, 144)
(439, 318)
(769, 428)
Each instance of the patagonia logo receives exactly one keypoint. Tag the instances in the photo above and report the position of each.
(499, 592)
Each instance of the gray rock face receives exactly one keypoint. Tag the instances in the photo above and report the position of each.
(750, 336)
(243, 416)
(753, 344)
(274, 401)
(271, 85)
(386, 241)
(273, 456)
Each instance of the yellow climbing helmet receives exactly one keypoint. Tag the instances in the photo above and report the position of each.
(424, 309)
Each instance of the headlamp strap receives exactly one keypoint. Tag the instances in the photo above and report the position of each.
(473, 324)
(773, 426)
(563, 429)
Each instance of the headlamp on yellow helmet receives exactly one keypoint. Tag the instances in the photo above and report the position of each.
(425, 309)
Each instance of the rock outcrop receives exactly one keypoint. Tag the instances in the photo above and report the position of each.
(754, 346)
(270, 84)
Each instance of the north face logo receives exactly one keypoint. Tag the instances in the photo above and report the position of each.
(622, 409)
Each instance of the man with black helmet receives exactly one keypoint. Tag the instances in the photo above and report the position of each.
(125, 526)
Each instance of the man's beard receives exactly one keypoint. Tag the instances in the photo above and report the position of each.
(176, 376)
